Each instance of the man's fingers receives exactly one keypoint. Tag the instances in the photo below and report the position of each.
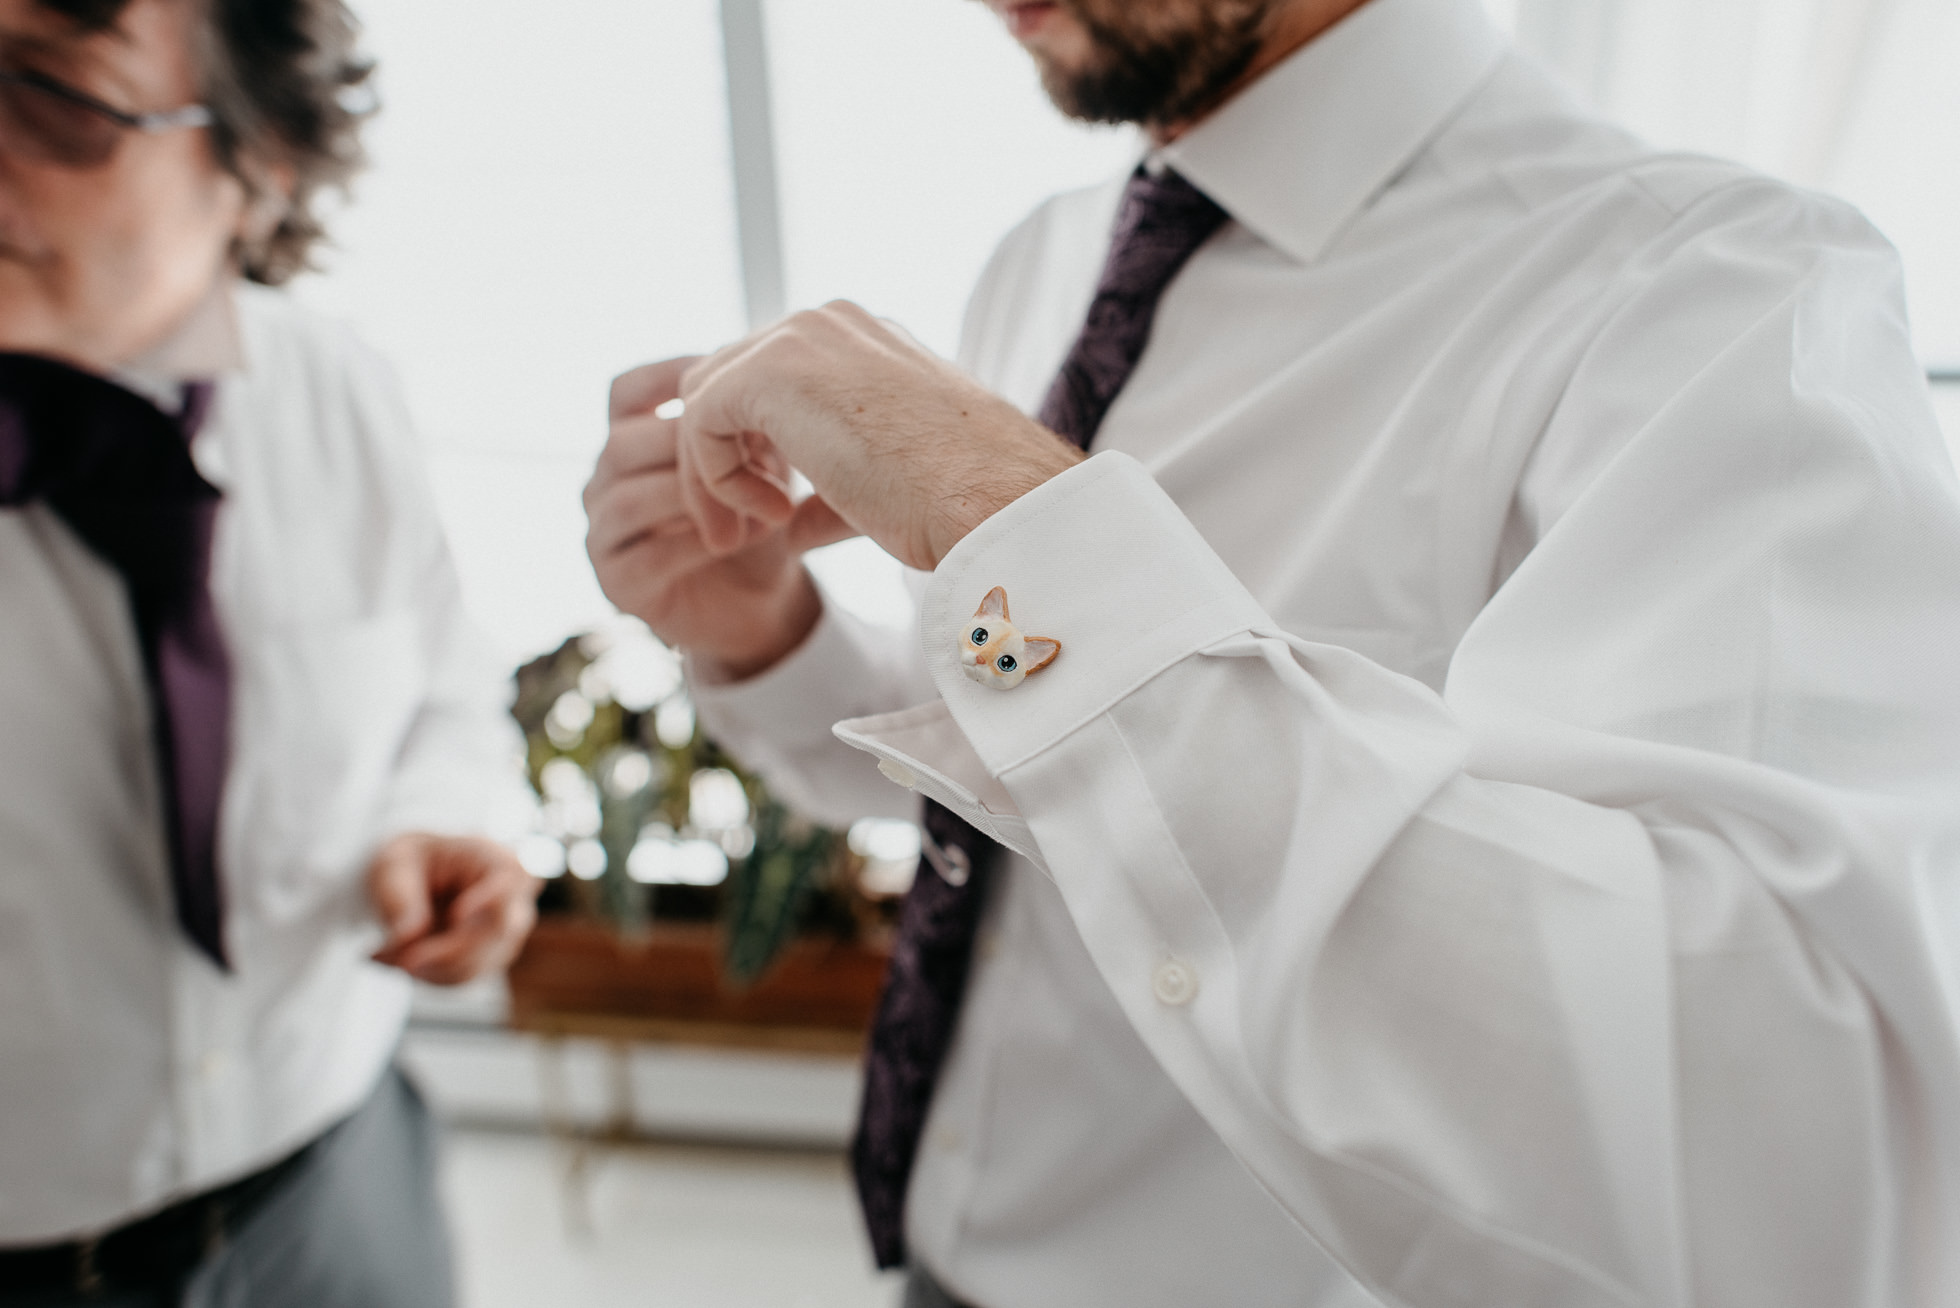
(639, 442)
(648, 385)
(641, 575)
(443, 960)
(719, 527)
(755, 494)
(633, 507)
(725, 441)
(816, 524)
(485, 912)
(488, 896)
(398, 888)
(725, 481)
(487, 933)
(647, 518)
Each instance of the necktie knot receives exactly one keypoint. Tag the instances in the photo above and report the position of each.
(1160, 224)
(1162, 219)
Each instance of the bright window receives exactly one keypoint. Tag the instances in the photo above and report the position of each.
(549, 204)
(552, 200)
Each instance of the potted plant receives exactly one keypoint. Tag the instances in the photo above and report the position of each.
(683, 900)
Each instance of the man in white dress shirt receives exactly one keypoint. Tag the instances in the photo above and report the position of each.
(1491, 835)
(195, 1043)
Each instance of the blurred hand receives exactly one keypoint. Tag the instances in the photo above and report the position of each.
(454, 907)
(900, 444)
(743, 605)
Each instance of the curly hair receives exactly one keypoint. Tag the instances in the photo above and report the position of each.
(285, 86)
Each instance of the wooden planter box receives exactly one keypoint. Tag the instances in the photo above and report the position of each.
(579, 977)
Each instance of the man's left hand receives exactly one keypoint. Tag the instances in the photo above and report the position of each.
(454, 907)
(899, 444)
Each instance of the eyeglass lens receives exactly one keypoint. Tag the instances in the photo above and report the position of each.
(39, 122)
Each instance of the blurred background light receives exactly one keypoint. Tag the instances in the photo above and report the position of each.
(673, 724)
(890, 850)
(586, 859)
(716, 800)
(541, 855)
(658, 860)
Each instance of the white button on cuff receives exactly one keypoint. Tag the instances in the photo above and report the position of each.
(1174, 983)
(899, 773)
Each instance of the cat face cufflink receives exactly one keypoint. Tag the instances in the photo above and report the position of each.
(996, 655)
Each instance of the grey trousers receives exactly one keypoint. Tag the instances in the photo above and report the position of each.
(358, 1225)
(921, 1291)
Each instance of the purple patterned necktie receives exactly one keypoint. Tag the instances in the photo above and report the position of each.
(1161, 223)
(118, 471)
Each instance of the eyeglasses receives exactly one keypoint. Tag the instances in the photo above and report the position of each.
(51, 121)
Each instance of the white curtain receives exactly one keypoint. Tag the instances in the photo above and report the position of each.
(1857, 97)
(1774, 82)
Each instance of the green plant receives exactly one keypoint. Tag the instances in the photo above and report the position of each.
(657, 821)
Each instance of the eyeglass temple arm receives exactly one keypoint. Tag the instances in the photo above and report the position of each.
(168, 120)
(162, 120)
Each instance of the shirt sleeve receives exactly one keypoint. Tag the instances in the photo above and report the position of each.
(459, 768)
(779, 722)
(1620, 970)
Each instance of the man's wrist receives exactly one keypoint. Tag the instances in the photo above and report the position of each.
(791, 621)
(967, 507)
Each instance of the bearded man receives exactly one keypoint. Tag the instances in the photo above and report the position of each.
(1488, 836)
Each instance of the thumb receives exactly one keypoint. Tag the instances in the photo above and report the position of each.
(815, 523)
(398, 888)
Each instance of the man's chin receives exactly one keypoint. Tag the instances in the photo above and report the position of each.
(1031, 20)
(1055, 38)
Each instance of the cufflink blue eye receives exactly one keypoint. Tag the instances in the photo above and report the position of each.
(979, 635)
(1005, 663)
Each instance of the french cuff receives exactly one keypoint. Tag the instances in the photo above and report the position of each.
(923, 750)
(1100, 559)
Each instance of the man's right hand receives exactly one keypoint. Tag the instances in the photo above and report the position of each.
(743, 609)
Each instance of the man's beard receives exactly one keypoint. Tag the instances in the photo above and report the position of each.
(1155, 68)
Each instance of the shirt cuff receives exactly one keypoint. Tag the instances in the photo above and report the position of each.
(1101, 559)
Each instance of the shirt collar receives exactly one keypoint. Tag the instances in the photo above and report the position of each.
(1298, 153)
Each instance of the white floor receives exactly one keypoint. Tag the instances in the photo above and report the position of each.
(656, 1225)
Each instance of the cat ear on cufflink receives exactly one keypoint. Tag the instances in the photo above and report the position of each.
(994, 653)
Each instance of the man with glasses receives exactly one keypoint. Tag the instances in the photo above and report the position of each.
(248, 748)
(1489, 834)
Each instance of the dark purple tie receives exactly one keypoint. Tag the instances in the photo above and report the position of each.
(118, 471)
(1162, 222)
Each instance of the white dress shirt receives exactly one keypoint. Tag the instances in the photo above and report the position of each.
(133, 1071)
(1495, 817)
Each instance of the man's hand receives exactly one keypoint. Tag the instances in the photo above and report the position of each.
(454, 907)
(744, 605)
(900, 445)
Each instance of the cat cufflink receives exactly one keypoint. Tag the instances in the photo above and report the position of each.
(994, 653)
